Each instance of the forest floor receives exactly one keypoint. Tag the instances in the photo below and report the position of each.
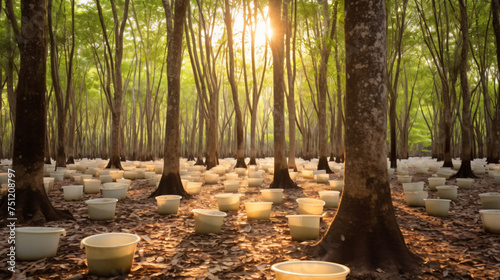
(454, 247)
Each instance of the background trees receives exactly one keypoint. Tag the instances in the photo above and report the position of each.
(424, 62)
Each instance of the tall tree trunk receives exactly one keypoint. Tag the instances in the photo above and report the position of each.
(393, 78)
(323, 85)
(9, 72)
(291, 73)
(192, 137)
(61, 102)
(494, 145)
(338, 138)
(115, 71)
(31, 201)
(380, 244)
(465, 170)
(199, 152)
(281, 176)
(170, 182)
(240, 143)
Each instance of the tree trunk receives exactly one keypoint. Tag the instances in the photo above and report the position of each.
(192, 137)
(338, 139)
(240, 143)
(32, 202)
(211, 136)
(199, 157)
(170, 182)
(291, 73)
(281, 176)
(494, 143)
(62, 109)
(465, 170)
(114, 67)
(380, 244)
(323, 86)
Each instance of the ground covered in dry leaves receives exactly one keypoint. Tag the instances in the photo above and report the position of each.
(454, 247)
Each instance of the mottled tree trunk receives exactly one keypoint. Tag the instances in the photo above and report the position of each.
(323, 87)
(493, 149)
(465, 170)
(170, 182)
(281, 176)
(359, 237)
(31, 201)
(240, 143)
(291, 73)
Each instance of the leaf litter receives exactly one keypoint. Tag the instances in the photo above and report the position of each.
(453, 247)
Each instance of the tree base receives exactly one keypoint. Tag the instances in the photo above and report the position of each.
(48, 160)
(115, 163)
(211, 162)
(190, 158)
(465, 171)
(33, 206)
(199, 161)
(170, 184)
(323, 165)
(492, 160)
(70, 160)
(339, 159)
(240, 163)
(448, 164)
(282, 180)
(252, 161)
(382, 249)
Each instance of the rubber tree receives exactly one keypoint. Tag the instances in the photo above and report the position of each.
(114, 68)
(359, 236)
(494, 139)
(31, 201)
(63, 99)
(240, 142)
(170, 182)
(465, 170)
(325, 51)
(281, 176)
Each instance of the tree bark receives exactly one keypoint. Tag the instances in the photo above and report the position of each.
(494, 143)
(291, 73)
(465, 170)
(170, 182)
(281, 176)
(338, 138)
(61, 102)
(31, 201)
(361, 237)
(240, 143)
(323, 86)
(115, 71)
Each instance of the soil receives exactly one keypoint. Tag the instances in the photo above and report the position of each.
(453, 247)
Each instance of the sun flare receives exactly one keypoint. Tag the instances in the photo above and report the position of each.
(263, 31)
